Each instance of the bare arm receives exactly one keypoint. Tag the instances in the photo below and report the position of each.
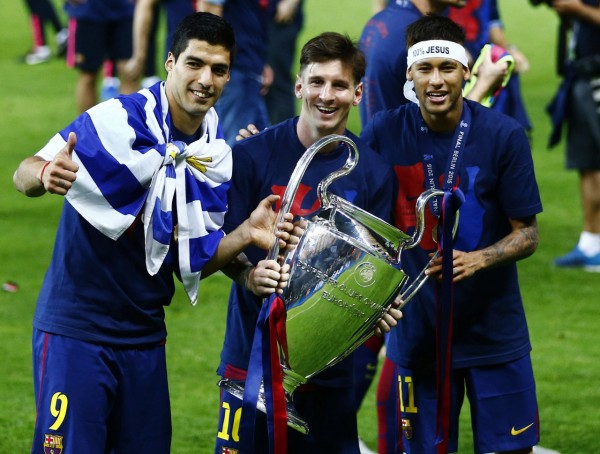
(577, 9)
(520, 243)
(286, 10)
(34, 176)
(142, 22)
(489, 77)
(497, 36)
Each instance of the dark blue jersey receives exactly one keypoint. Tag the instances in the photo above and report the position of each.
(262, 165)
(498, 181)
(98, 290)
(384, 44)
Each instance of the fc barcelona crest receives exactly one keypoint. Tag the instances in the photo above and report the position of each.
(407, 429)
(53, 444)
(226, 450)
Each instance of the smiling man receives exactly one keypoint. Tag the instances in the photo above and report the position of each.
(123, 166)
(328, 86)
(466, 328)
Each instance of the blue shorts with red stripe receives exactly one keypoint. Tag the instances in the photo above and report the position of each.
(95, 42)
(502, 398)
(94, 398)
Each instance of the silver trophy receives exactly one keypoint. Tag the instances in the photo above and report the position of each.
(344, 275)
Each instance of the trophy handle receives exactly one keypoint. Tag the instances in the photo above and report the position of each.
(298, 173)
(422, 201)
(420, 280)
(348, 167)
(416, 285)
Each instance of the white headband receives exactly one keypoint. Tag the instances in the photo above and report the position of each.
(437, 48)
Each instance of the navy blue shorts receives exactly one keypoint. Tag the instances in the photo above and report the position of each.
(99, 41)
(503, 403)
(583, 133)
(92, 398)
(329, 412)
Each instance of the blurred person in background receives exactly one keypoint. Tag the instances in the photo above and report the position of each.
(243, 101)
(42, 14)
(100, 30)
(284, 29)
(578, 104)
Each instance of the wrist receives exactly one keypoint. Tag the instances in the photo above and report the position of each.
(246, 234)
(248, 276)
(42, 170)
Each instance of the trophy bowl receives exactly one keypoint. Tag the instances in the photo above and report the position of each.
(344, 275)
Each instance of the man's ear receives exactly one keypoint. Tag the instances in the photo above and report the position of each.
(298, 87)
(408, 74)
(169, 62)
(358, 92)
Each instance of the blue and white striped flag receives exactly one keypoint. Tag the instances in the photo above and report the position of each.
(128, 162)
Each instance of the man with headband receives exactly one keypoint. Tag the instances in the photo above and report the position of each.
(466, 328)
(383, 43)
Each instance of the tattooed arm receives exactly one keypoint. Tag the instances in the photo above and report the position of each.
(517, 245)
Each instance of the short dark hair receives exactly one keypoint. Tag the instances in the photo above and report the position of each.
(433, 26)
(208, 27)
(334, 46)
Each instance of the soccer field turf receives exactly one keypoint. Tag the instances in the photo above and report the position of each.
(562, 305)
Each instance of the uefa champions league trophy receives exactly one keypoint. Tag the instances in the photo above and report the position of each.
(344, 275)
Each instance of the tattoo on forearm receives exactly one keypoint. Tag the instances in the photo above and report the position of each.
(519, 244)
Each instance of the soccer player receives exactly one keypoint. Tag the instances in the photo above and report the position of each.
(328, 86)
(383, 43)
(466, 328)
(99, 327)
(382, 40)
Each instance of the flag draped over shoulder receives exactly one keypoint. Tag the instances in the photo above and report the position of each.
(128, 161)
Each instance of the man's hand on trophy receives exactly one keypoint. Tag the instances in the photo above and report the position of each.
(464, 265)
(259, 226)
(299, 227)
(390, 318)
(268, 277)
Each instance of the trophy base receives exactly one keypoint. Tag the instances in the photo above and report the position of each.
(294, 420)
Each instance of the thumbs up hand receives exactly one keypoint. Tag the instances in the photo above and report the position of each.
(58, 175)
